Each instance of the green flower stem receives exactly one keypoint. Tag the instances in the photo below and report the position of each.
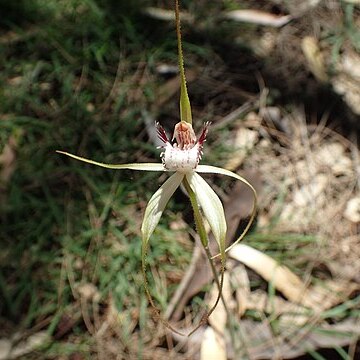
(200, 227)
(199, 222)
(185, 108)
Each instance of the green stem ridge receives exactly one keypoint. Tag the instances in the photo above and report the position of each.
(185, 107)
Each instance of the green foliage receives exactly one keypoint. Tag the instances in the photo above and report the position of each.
(69, 75)
(348, 33)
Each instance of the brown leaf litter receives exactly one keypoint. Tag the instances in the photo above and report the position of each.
(314, 169)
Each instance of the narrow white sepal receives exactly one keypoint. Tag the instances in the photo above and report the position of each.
(156, 206)
(211, 206)
(135, 166)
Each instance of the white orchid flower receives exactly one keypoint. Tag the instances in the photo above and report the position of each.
(181, 156)
(182, 159)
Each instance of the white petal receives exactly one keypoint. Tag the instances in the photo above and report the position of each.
(136, 166)
(156, 206)
(216, 170)
(211, 207)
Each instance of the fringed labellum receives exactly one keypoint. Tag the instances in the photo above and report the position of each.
(184, 154)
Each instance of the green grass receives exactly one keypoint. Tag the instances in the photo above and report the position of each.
(345, 34)
(65, 223)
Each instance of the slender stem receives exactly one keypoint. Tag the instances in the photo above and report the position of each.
(185, 108)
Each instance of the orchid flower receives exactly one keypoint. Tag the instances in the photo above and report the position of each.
(181, 156)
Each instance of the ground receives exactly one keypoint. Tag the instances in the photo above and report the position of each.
(280, 85)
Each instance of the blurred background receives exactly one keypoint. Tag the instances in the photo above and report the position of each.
(280, 82)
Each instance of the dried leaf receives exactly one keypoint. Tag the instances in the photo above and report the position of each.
(290, 285)
(330, 293)
(263, 45)
(352, 211)
(213, 347)
(167, 69)
(8, 163)
(314, 58)
(258, 17)
(288, 312)
(167, 15)
(260, 338)
(218, 318)
(282, 278)
(241, 283)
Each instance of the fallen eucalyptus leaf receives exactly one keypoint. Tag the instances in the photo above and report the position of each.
(213, 347)
(167, 15)
(218, 318)
(314, 58)
(317, 298)
(241, 284)
(258, 17)
(284, 280)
